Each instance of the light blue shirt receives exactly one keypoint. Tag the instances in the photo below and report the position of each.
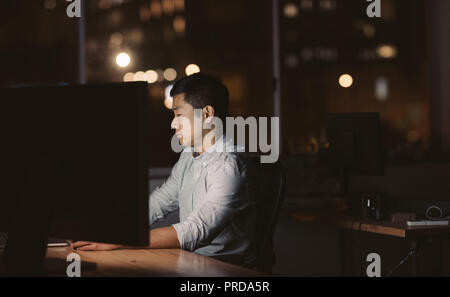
(216, 214)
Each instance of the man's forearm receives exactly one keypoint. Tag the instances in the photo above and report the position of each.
(164, 238)
(160, 238)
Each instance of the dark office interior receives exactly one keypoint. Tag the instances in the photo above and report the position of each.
(299, 60)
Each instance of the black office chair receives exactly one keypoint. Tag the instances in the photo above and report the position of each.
(266, 185)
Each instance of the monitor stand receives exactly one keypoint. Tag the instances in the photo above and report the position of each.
(26, 247)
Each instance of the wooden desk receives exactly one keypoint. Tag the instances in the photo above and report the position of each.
(144, 262)
(400, 229)
(417, 234)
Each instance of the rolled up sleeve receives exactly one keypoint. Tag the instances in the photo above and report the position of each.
(223, 199)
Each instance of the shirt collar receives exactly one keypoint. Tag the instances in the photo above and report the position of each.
(223, 144)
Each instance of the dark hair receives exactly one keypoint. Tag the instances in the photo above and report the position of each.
(203, 89)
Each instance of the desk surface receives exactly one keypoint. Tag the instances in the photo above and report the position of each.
(400, 229)
(143, 262)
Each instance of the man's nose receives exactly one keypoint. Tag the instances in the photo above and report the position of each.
(174, 124)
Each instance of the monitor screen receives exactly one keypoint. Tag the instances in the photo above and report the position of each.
(94, 140)
(355, 142)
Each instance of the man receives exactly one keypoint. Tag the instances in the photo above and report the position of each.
(208, 184)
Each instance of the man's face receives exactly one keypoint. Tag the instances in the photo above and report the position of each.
(183, 121)
(185, 116)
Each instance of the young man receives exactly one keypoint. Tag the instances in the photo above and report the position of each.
(208, 184)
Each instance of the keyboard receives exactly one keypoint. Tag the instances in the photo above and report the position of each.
(52, 242)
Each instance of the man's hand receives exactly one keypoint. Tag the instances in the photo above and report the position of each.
(94, 246)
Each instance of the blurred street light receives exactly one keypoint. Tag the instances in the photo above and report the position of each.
(170, 74)
(345, 80)
(152, 76)
(168, 100)
(191, 69)
(123, 60)
(140, 76)
(290, 10)
(387, 51)
(128, 76)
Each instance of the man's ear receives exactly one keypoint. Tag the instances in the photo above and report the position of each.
(208, 111)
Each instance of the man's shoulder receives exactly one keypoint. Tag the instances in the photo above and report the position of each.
(234, 157)
(229, 163)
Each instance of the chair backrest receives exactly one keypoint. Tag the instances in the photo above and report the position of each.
(267, 184)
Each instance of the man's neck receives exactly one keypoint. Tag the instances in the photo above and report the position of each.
(203, 148)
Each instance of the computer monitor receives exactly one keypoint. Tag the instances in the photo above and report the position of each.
(73, 164)
(354, 145)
